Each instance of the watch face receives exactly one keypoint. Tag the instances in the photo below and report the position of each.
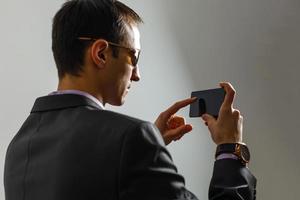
(245, 153)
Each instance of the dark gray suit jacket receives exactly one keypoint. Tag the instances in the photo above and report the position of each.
(70, 149)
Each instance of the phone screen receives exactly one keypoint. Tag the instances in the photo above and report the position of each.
(208, 101)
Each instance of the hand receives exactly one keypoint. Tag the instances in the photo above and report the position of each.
(229, 125)
(173, 127)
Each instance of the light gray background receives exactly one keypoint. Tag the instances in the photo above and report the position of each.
(186, 45)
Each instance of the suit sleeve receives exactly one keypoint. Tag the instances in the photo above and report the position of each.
(146, 170)
(232, 181)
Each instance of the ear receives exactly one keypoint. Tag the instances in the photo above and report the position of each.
(99, 53)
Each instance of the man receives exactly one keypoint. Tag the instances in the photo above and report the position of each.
(70, 147)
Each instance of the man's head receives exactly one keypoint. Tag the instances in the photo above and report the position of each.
(96, 42)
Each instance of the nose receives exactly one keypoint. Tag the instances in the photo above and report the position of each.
(136, 74)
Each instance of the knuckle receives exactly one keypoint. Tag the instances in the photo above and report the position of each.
(232, 92)
(241, 119)
(162, 115)
(237, 113)
(175, 116)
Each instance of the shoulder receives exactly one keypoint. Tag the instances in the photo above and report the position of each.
(118, 119)
(145, 134)
(138, 130)
(130, 127)
(92, 115)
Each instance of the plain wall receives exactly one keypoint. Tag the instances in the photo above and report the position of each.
(186, 46)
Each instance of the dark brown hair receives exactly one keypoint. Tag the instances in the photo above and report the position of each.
(104, 19)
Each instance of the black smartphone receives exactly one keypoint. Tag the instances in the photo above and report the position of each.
(208, 101)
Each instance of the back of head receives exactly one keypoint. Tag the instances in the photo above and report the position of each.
(104, 19)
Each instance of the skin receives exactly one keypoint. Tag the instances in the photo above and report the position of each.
(104, 76)
(109, 79)
(228, 127)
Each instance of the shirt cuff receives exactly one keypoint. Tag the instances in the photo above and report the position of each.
(226, 156)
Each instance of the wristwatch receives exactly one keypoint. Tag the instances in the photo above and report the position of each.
(238, 149)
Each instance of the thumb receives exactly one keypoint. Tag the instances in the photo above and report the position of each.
(177, 133)
(208, 119)
(180, 131)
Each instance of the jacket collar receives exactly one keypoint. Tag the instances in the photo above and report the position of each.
(55, 102)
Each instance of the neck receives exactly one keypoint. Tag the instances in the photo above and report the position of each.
(70, 82)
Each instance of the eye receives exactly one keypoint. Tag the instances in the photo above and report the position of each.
(133, 57)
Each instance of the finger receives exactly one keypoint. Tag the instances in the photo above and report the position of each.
(175, 122)
(179, 132)
(230, 94)
(236, 113)
(178, 138)
(177, 106)
(208, 119)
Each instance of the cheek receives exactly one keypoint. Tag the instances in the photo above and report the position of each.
(123, 79)
(127, 74)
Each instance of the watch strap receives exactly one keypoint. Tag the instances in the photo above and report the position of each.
(238, 149)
